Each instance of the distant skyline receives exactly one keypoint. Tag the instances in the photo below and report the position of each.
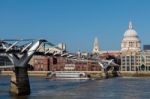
(75, 22)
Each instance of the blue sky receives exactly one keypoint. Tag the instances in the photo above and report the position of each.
(75, 22)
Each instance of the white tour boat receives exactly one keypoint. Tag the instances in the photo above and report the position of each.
(67, 75)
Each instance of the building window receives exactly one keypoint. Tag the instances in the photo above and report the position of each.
(131, 44)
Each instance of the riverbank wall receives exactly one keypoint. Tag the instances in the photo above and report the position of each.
(134, 73)
(30, 73)
(93, 74)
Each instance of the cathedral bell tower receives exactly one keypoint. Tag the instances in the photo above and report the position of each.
(96, 49)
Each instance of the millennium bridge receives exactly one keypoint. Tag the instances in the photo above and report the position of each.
(20, 51)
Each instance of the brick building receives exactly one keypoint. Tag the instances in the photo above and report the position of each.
(46, 63)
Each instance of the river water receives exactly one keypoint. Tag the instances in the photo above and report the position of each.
(115, 88)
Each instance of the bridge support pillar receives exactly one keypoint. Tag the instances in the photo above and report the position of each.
(20, 82)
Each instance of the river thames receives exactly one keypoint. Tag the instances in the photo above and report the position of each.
(115, 88)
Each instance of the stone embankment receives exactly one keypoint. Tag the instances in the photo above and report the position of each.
(30, 73)
(134, 73)
(93, 74)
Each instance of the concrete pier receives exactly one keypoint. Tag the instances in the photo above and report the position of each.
(20, 82)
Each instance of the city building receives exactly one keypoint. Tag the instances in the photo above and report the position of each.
(146, 58)
(131, 58)
(46, 63)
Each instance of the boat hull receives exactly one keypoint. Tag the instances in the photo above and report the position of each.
(67, 78)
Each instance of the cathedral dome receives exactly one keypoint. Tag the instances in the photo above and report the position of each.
(131, 40)
(130, 32)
